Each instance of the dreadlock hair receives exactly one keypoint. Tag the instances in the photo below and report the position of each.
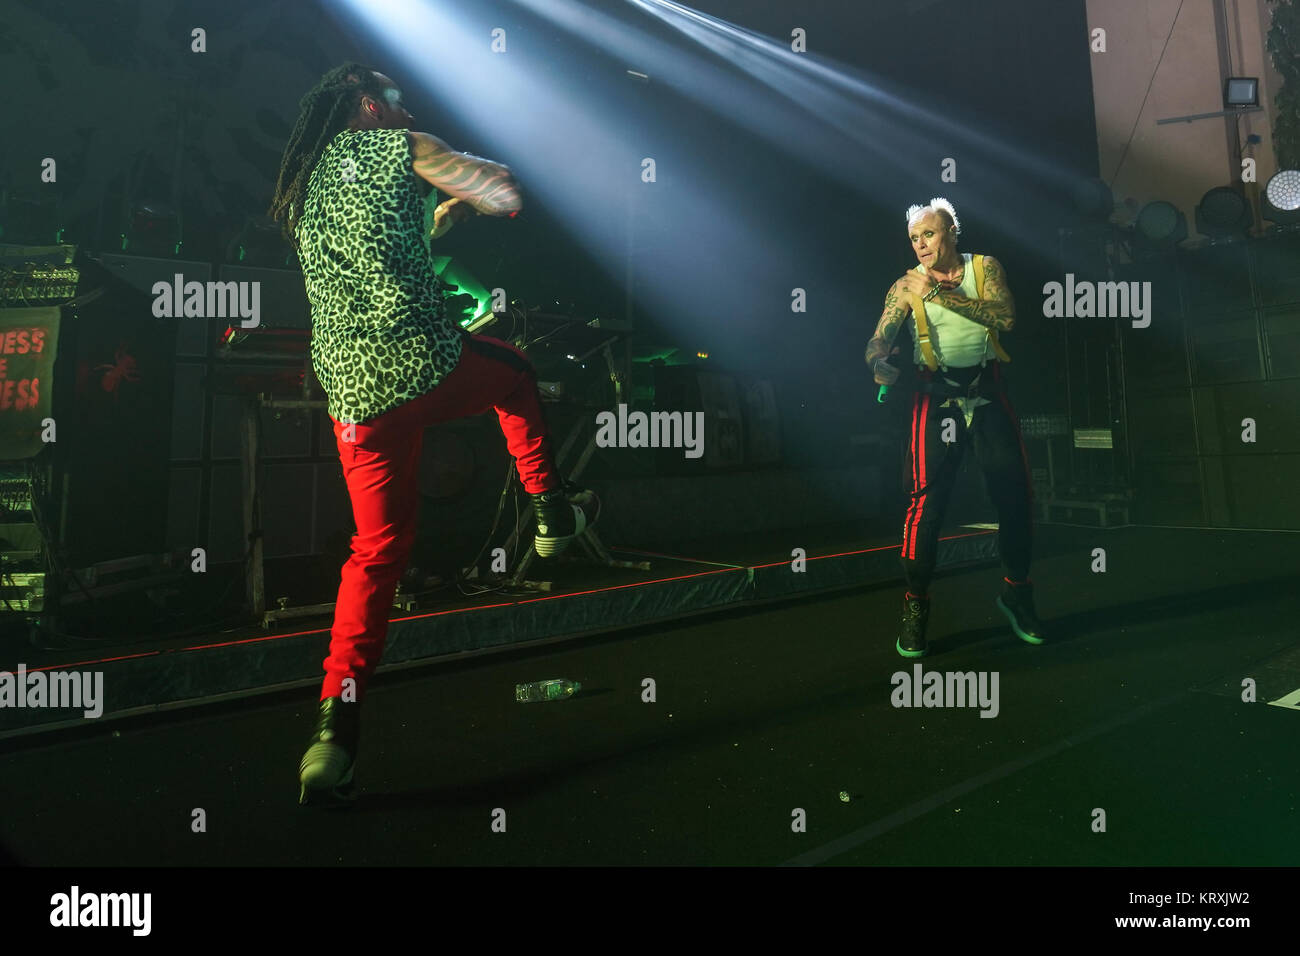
(323, 112)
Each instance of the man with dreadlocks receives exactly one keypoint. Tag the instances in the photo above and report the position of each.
(957, 304)
(351, 198)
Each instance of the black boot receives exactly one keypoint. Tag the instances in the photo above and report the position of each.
(326, 769)
(1017, 603)
(916, 617)
(562, 514)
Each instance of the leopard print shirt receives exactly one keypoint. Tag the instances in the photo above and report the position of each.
(380, 333)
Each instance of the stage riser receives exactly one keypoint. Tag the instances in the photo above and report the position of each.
(189, 677)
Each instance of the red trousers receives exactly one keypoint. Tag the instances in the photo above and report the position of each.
(381, 468)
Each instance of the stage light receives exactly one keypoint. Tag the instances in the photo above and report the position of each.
(1093, 200)
(1239, 91)
(1282, 197)
(1161, 226)
(1222, 212)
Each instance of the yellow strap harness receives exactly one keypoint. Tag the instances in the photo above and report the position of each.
(923, 325)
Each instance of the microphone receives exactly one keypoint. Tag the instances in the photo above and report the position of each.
(882, 396)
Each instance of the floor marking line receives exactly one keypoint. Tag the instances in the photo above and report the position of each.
(872, 830)
(673, 557)
(1291, 701)
(1192, 527)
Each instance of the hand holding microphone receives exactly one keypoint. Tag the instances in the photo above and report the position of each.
(884, 371)
(886, 374)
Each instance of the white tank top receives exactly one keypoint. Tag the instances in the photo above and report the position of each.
(957, 341)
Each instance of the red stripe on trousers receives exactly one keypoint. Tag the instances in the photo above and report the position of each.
(920, 413)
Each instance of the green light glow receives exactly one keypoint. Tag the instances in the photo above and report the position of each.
(454, 273)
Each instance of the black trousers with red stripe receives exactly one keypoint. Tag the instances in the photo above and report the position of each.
(931, 465)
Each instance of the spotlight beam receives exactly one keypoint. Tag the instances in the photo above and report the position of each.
(718, 88)
(830, 116)
(834, 91)
(576, 154)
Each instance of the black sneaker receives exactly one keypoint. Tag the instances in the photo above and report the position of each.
(326, 768)
(562, 515)
(1017, 603)
(916, 617)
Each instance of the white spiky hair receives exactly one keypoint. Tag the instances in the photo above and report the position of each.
(938, 202)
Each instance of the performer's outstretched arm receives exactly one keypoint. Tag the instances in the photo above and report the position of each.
(487, 186)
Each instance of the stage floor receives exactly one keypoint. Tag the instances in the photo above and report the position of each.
(1133, 706)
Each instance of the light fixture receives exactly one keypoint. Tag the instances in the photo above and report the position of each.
(1093, 200)
(1223, 212)
(1281, 202)
(1160, 226)
(1240, 91)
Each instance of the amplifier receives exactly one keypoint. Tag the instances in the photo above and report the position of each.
(32, 276)
(293, 344)
(688, 389)
(21, 591)
(22, 551)
(281, 295)
(13, 256)
(86, 392)
(112, 401)
(193, 336)
(21, 546)
(15, 493)
(36, 285)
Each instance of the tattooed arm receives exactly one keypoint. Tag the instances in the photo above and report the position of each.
(896, 312)
(487, 186)
(997, 310)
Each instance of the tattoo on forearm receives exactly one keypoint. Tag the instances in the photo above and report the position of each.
(887, 328)
(486, 187)
(996, 310)
(994, 315)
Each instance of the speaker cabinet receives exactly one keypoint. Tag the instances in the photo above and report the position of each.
(112, 407)
(687, 389)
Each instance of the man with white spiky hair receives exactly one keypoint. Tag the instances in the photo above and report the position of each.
(955, 304)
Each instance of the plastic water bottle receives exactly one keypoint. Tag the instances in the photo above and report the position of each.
(540, 690)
